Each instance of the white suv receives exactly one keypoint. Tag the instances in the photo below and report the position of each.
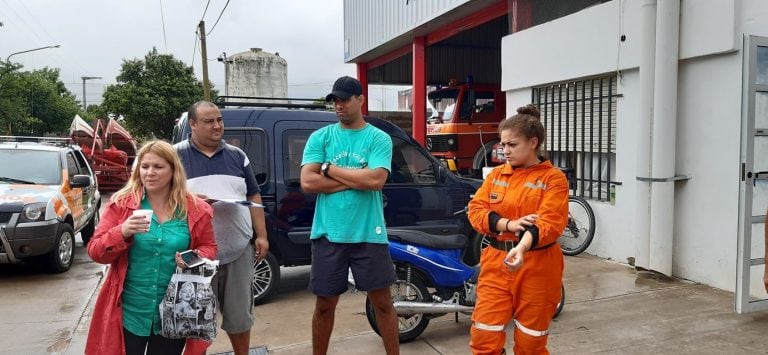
(48, 193)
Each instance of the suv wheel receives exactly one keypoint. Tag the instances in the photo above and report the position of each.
(62, 255)
(87, 232)
(266, 276)
(477, 242)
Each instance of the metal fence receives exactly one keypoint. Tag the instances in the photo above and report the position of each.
(580, 120)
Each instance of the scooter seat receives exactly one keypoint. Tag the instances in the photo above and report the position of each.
(448, 241)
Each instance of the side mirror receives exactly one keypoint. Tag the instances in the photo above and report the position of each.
(441, 173)
(80, 181)
(471, 103)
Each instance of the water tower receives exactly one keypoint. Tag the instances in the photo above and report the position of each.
(257, 73)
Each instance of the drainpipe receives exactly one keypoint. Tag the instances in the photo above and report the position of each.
(642, 188)
(664, 134)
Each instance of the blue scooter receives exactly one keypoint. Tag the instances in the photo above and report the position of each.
(432, 280)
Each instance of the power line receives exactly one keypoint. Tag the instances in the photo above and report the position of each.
(194, 51)
(62, 64)
(219, 18)
(24, 22)
(205, 11)
(321, 83)
(32, 16)
(162, 19)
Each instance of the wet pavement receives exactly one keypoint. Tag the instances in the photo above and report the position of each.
(610, 308)
(39, 311)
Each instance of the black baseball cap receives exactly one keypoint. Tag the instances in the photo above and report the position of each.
(344, 88)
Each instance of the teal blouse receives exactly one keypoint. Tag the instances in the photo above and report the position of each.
(151, 262)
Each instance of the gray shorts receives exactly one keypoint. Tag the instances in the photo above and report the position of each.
(370, 263)
(232, 286)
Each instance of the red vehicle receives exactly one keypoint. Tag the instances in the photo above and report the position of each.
(462, 126)
(108, 147)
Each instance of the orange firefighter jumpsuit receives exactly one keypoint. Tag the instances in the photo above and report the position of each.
(529, 295)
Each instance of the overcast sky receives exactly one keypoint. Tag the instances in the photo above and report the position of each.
(96, 35)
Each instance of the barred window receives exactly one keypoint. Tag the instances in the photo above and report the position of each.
(580, 122)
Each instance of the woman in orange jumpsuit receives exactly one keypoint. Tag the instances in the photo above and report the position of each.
(523, 207)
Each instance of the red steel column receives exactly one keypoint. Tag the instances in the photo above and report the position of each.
(362, 76)
(522, 15)
(419, 89)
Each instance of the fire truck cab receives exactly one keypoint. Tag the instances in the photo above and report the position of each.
(462, 126)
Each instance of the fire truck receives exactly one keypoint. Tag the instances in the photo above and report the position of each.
(462, 126)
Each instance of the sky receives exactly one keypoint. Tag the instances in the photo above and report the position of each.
(95, 36)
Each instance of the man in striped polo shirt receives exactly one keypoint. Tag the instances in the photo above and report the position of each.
(217, 170)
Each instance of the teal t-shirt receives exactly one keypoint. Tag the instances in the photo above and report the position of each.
(151, 262)
(350, 216)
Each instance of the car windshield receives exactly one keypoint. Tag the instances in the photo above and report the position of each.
(30, 166)
(444, 102)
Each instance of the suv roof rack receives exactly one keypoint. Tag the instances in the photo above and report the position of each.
(284, 102)
(55, 141)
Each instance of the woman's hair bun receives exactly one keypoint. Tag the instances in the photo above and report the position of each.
(528, 109)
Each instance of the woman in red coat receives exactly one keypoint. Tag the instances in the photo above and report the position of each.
(143, 254)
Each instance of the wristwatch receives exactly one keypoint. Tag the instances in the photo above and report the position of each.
(324, 168)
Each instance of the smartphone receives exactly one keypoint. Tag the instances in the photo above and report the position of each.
(191, 258)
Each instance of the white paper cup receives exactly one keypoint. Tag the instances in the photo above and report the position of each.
(146, 213)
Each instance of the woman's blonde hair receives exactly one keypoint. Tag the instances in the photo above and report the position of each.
(134, 187)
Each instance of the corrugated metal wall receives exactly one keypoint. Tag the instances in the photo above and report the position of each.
(475, 52)
(370, 23)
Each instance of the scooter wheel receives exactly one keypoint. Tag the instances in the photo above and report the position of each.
(409, 326)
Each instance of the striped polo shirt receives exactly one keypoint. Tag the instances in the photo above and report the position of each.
(225, 175)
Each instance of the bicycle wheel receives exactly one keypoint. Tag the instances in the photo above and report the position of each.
(580, 229)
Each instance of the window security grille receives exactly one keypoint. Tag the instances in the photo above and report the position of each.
(580, 122)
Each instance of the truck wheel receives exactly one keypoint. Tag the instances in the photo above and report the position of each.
(483, 156)
(60, 258)
(87, 232)
(266, 277)
(409, 326)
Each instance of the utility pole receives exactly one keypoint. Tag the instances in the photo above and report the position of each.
(206, 85)
(85, 106)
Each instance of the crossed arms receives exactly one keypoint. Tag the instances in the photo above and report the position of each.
(339, 179)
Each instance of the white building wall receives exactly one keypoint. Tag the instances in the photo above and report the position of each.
(709, 118)
(708, 149)
(589, 42)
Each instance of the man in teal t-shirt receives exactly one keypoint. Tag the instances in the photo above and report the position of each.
(347, 164)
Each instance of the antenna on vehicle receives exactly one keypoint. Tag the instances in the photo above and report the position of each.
(482, 144)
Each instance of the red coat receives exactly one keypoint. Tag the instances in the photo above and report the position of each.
(108, 247)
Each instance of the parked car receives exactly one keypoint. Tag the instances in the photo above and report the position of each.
(48, 193)
(420, 192)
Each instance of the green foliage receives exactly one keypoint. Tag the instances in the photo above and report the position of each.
(321, 101)
(151, 94)
(34, 102)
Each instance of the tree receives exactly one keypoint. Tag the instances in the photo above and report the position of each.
(321, 101)
(152, 93)
(34, 102)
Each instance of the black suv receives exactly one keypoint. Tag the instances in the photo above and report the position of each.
(420, 193)
(48, 193)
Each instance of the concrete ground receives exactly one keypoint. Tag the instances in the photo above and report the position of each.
(40, 310)
(610, 308)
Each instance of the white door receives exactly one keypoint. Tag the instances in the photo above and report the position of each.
(753, 192)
